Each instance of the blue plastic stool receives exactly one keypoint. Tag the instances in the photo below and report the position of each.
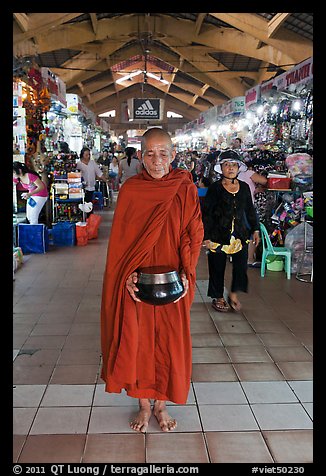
(98, 200)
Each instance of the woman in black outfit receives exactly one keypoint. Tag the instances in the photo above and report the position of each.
(226, 207)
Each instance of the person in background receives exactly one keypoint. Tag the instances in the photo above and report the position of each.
(37, 193)
(253, 179)
(90, 173)
(236, 143)
(114, 174)
(227, 211)
(146, 349)
(105, 158)
(203, 184)
(129, 165)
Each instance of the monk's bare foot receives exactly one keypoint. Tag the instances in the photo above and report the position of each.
(164, 420)
(140, 422)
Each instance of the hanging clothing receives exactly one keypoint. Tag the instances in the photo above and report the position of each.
(147, 349)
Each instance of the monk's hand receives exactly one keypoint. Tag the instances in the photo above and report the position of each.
(131, 285)
(185, 283)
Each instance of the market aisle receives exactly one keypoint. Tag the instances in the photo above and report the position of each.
(251, 392)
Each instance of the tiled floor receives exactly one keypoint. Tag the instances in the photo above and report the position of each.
(251, 391)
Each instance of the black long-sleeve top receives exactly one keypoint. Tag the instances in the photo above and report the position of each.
(219, 208)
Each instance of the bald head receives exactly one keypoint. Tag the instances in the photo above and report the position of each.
(155, 134)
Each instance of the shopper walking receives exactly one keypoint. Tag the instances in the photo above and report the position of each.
(90, 172)
(37, 193)
(129, 165)
(227, 208)
(146, 348)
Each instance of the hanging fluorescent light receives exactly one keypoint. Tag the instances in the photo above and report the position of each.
(128, 76)
(151, 75)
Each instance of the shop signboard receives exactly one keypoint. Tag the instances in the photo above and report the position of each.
(238, 104)
(252, 96)
(146, 109)
(17, 94)
(104, 125)
(50, 82)
(35, 79)
(300, 74)
(19, 112)
(264, 87)
(209, 116)
(227, 108)
(61, 91)
(201, 119)
(72, 103)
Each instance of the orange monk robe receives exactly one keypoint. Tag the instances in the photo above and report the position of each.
(146, 349)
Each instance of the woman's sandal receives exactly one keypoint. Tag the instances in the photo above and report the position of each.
(235, 305)
(220, 305)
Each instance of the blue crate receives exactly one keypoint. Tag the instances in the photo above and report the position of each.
(98, 201)
(33, 238)
(64, 234)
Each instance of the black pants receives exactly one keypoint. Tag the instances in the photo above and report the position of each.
(216, 268)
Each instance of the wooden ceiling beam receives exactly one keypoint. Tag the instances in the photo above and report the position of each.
(199, 22)
(94, 22)
(159, 53)
(37, 25)
(229, 87)
(87, 61)
(275, 23)
(22, 20)
(289, 46)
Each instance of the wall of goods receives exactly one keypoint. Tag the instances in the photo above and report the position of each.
(50, 127)
(47, 120)
(274, 121)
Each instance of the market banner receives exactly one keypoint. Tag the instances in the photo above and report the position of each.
(301, 73)
(233, 106)
(226, 108)
(73, 101)
(61, 91)
(252, 96)
(209, 116)
(50, 82)
(238, 104)
(266, 86)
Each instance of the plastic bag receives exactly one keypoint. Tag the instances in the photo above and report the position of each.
(81, 233)
(294, 240)
(93, 223)
(299, 164)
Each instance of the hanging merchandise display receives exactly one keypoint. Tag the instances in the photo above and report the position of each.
(274, 122)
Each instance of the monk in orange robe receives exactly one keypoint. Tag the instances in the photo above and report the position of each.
(147, 349)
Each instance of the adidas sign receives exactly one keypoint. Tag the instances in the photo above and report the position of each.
(146, 109)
